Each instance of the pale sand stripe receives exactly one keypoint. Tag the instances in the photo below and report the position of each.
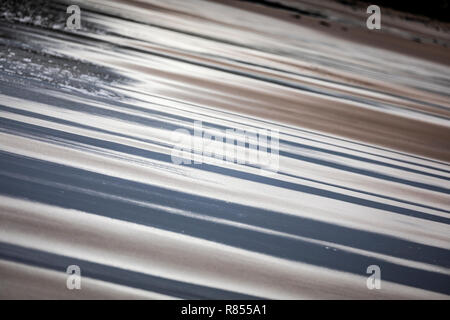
(238, 191)
(180, 257)
(20, 281)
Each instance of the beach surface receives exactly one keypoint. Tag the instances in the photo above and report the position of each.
(89, 121)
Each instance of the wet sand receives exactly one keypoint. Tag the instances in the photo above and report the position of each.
(86, 136)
